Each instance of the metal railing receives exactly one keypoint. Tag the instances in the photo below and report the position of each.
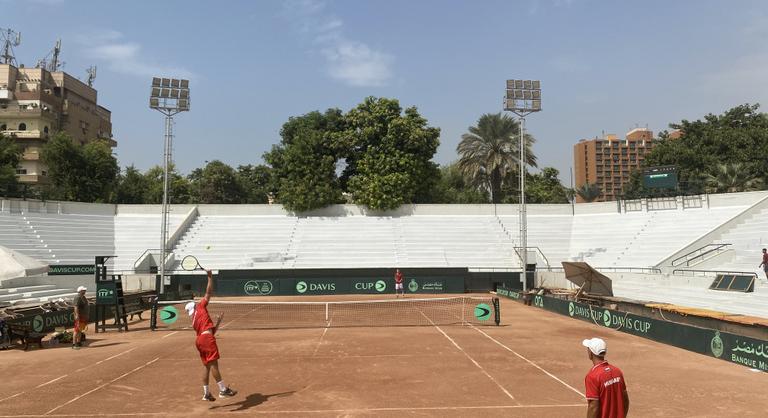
(652, 270)
(694, 272)
(700, 252)
(538, 251)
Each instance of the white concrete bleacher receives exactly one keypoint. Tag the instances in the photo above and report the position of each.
(747, 240)
(136, 233)
(238, 241)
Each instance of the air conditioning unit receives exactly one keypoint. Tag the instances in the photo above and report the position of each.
(6, 94)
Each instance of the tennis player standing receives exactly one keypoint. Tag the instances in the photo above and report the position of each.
(399, 284)
(606, 389)
(206, 342)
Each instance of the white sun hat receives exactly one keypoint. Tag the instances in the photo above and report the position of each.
(596, 345)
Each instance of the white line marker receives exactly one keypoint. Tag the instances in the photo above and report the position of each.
(11, 397)
(528, 361)
(320, 341)
(106, 359)
(101, 386)
(168, 335)
(471, 359)
(321, 411)
(51, 381)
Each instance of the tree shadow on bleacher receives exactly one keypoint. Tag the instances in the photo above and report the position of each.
(254, 399)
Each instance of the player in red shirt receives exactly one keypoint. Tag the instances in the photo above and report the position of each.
(206, 342)
(399, 284)
(764, 264)
(606, 389)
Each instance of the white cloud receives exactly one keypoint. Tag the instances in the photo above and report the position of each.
(350, 61)
(125, 57)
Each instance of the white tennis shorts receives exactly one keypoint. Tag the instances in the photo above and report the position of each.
(398, 286)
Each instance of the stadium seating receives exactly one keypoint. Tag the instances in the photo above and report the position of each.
(747, 240)
(136, 233)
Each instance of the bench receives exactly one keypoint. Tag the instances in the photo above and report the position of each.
(25, 334)
(137, 306)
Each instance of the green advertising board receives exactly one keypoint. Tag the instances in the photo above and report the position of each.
(71, 270)
(737, 349)
(105, 293)
(323, 286)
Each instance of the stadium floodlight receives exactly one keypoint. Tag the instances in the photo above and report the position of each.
(168, 96)
(523, 98)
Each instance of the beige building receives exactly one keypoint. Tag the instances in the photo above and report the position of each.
(36, 103)
(609, 161)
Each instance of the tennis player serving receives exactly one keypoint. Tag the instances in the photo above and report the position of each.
(206, 341)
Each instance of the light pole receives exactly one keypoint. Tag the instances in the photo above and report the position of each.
(169, 96)
(523, 98)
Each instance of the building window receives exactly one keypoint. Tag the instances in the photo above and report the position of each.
(45, 130)
(21, 171)
(22, 126)
(3, 127)
(45, 173)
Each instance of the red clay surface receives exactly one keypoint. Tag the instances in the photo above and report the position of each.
(531, 366)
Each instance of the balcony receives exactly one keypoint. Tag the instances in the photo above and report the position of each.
(26, 134)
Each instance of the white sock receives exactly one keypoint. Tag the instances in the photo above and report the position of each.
(222, 386)
(205, 390)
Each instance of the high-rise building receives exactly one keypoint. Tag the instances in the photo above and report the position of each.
(608, 162)
(36, 103)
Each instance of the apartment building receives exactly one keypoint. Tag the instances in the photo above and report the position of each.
(36, 103)
(609, 161)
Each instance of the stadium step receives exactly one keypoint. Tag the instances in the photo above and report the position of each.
(25, 289)
(34, 294)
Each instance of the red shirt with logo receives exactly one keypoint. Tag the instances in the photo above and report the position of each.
(398, 277)
(606, 384)
(201, 321)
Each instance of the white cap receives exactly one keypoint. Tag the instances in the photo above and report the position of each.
(190, 308)
(81, 289)
(595, 345)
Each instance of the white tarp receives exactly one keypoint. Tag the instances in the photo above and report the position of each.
(15, 264)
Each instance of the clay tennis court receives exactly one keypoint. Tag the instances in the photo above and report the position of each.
(531, 366)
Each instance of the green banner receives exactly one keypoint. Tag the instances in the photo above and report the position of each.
(105, 293)
(737, 349)
(71, 270)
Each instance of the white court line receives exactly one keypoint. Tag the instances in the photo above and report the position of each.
(320, 341)
(51, 381)
(101, 386)
(320, 411)
(11, 397)
(528, 361)
(168, 335)
(187, 358)
(106, 359)
(471, 359)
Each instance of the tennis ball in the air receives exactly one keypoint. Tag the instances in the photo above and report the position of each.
(207, 247)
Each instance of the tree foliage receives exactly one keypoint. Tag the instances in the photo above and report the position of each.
(452, 187)
(85, 173)
(132, 187)
(10, 155)
(391, 154)
(257, 183)
(736, 138)
(490, 152)
(545, 187)
(589, 191)
(218, 183)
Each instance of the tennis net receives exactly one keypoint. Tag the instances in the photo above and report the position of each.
(364, 313)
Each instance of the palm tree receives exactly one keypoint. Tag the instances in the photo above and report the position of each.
(589, 192)
(731, 178)
(490, 151)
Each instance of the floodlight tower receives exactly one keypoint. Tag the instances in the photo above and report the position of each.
(169, 96)
(523, 98)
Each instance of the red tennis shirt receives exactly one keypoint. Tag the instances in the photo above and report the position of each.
(202, 320)
(606, 384)
(398, 277)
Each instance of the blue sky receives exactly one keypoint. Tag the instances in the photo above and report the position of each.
(605, 65)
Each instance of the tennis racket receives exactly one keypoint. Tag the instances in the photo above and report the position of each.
(190, 263)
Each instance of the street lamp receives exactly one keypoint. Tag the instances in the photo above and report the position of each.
(523, 98)
(169, 96)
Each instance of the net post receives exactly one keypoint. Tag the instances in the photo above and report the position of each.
(153, 314)
(497, 311)
(326, 312)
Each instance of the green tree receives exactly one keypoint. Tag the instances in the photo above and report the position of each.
(452, 187)
(10, 156)
(545, 187)
(305, 161)
(738, 136)
(179, 187)
(132, 187)
(490, 151)
(589, 191)
(257, 182)
(218, 183)
(729, 178)
(389, 154)
(85, 173)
